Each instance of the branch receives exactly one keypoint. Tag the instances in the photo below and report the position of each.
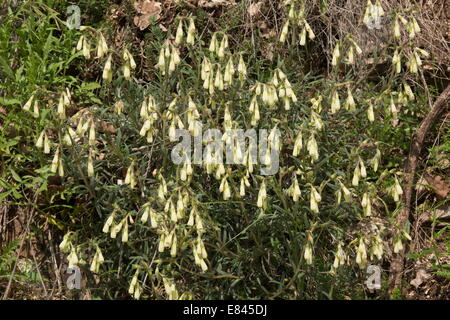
(397, 265)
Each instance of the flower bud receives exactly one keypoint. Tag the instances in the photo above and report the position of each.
(36, 109)
(172, 65)
(362, 168)
(396, 29)
(108, 222)
(312, 148)
(284, 32)
(255, 115)
(65, 243)
(366, 204)
(398, 245)
(161, 61)
(242, 69)
(72, 258)
(126, 71)
(335, 102)
(222, 47)
(376, 160)
(311, 34)
(27, 105)
(218, 82)
(361, 254)
(291, 12)
(80, 43)
(125, 230)
(350, 57)
(295, 190)
(179, 34)
(308, 254)
(213, 43)
(92, 134)
(60, 168)
(298, 144)
(413, 65)
(129, 58)
(61, 111)
(46, 144)
(393, 109)
(191, 32)
(86, 48)
(408, 92)
(336, 55)
(356, 46)
(350, 102)
(377, 248)
(102, 47)
(173, 249)
(130, 177)
(262, 195)
(356, 175)
(90, 165)
(107, 71)
(347, 193)
(370, 113)
(40, 141)
(415, 25)
(339, 257)
(229, 71)
(411, 30)
(55, 161)
(303, 37)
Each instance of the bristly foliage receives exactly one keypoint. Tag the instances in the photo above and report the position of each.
(88, 122)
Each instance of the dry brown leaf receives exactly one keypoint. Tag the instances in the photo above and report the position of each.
(421, 276)
(267, 34)
(254, 9)
(440, 186)
(146, 11)
(103, 127)
(395, 122)
(421, 186)
(162, 27)
(215, 3)
(442, 212)
(267, 51)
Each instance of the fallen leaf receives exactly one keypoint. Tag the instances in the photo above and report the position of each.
(101, 156)
(421, 186)
(146, 11)
(267, 51)
(421, 276)
(440, 186)
(215, 3)
(103, 127)
(162, 27)
(440, 213)
(443, 212)
(267, 34)
(254, 9)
